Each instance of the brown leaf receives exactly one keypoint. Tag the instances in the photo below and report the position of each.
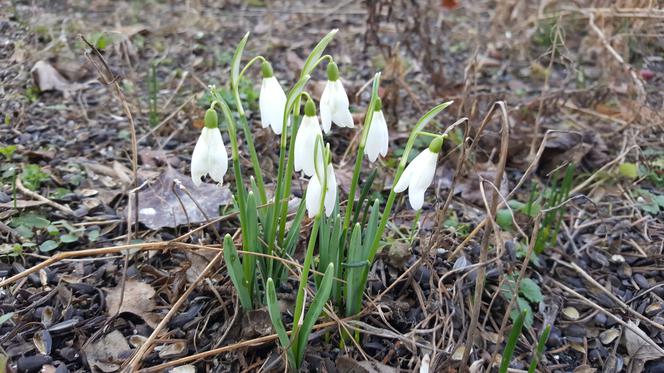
(47, 78)
(138, 299)
(159, 206)
(105, 354)
(637, 347)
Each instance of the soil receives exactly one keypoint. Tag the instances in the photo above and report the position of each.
(582, 85)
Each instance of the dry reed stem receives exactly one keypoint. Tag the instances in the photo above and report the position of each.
(484, 248)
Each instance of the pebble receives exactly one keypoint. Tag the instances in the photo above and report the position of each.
(600, 319)
(641, 281)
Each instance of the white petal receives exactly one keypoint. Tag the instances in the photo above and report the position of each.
(331, 191)
(199, 158)
(416, 197)
(326, 107)
(341, 115)
(272, 104)
(305, 142)
(313, 197)
(217, 156)
(377, 138)
(405, 179)
(264, 104)
(425, 166)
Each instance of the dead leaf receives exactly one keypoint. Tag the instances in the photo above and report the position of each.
(47, 78)
(637, 347)
(138, 299)
(159, 206)
(105, 354)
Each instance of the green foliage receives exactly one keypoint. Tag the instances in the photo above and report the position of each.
(629, 170)
(529, 292)
(649, 202)
(541, 344)
(153, 89)
(296, 344)
(8, 151)
(33, 176)
(511, 342)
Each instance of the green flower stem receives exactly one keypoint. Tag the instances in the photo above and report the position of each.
(390, 199)
(254, 159)
(304, 276)
(235, 155)
(360, 152)
(251, 62)
(429, 134)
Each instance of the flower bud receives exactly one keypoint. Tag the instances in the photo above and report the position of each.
(310, 108)
(332, 72)
(379, 104)
(436, 144)
(211, 119)
(266, 68)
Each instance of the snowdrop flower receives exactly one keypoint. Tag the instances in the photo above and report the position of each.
(315, 189)
(378, 137)
(419, 174)
(334, 101)
(305, 141)
(272, 100)
(209, 155)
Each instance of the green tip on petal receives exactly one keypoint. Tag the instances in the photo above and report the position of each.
(267, 70)
(436, 144)
(211, 119)
(332, 72)
(379, 104)
(310, 108)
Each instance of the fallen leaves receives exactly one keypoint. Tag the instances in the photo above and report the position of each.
(138, 299)
(106, 354)
(47, 78)
(159, 206)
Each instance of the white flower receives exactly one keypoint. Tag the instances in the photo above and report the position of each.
(209, 156)
(417, 177)
(272, 102)
(314, 190)
(305, 143)
(377, 138)
(334, 101)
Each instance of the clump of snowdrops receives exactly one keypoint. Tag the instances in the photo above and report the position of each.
(343, 241)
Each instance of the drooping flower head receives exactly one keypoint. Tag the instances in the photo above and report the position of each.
(209, 155)
(334, 101)
(378, 136)
(305, 140)
(419, 174)
(272, 100)
(324, 175)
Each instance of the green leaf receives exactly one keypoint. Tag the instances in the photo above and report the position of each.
(315, 309)
(278, 325)
(629, 170)
(93, 235)
(4, 318)
(49, 245)
(67, 238)
(511, 342)
(24, 231)
(354, 283)
(30, 220)
(515, 205)
(8, 151)
(234, 267)
(504, 219)
(520, 306)
(249, 261)
(541, 344)
(531, 290)
(316, 53)
(237, 58)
